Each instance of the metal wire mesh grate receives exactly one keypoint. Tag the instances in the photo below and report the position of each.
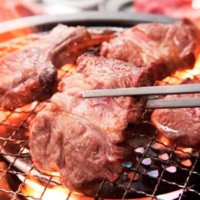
(159, 167)
(16, 141)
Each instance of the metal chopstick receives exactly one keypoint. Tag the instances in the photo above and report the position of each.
(154, 90)
(150, 90)
(173, 103)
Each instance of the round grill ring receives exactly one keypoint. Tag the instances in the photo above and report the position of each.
(141, 179)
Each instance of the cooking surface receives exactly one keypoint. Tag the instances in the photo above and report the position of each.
(160, 168)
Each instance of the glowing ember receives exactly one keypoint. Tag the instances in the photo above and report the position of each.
(35, 189)
(66, 70)
(133, 176)
(186, 163)
(181, 75)
(68, 67)
(28, 107)
(15, 44)
(165, 141)
(186, 150)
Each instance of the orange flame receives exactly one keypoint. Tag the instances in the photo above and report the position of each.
(34, 188)
(183, 74)
(186, 150)
(65, 70)
(165, 141)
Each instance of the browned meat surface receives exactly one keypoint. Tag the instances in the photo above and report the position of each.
(167, 47)
(181, 125)
(28, 74)
(84, 139)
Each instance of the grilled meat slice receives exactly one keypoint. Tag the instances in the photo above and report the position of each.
(167, 47)
(28, 74)
(71, 145)
(85, 139)
(181, 125)
(111, 114)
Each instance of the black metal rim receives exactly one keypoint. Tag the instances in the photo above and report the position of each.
(117, 19)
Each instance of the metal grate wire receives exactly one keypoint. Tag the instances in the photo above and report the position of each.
(23, 144)
(16, 135)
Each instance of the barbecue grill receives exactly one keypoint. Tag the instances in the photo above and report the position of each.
(158, 167)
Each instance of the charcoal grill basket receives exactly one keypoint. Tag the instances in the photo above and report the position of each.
(140, 180)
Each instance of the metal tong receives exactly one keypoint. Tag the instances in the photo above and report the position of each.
(154, 101)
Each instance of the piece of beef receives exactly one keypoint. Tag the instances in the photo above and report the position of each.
(95, 72)
(167, 47)
(181, 125)
(29, 73)
(177, 8)
(85, 139)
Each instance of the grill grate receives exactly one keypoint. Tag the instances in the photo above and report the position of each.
(18, 140)
(159, 167)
